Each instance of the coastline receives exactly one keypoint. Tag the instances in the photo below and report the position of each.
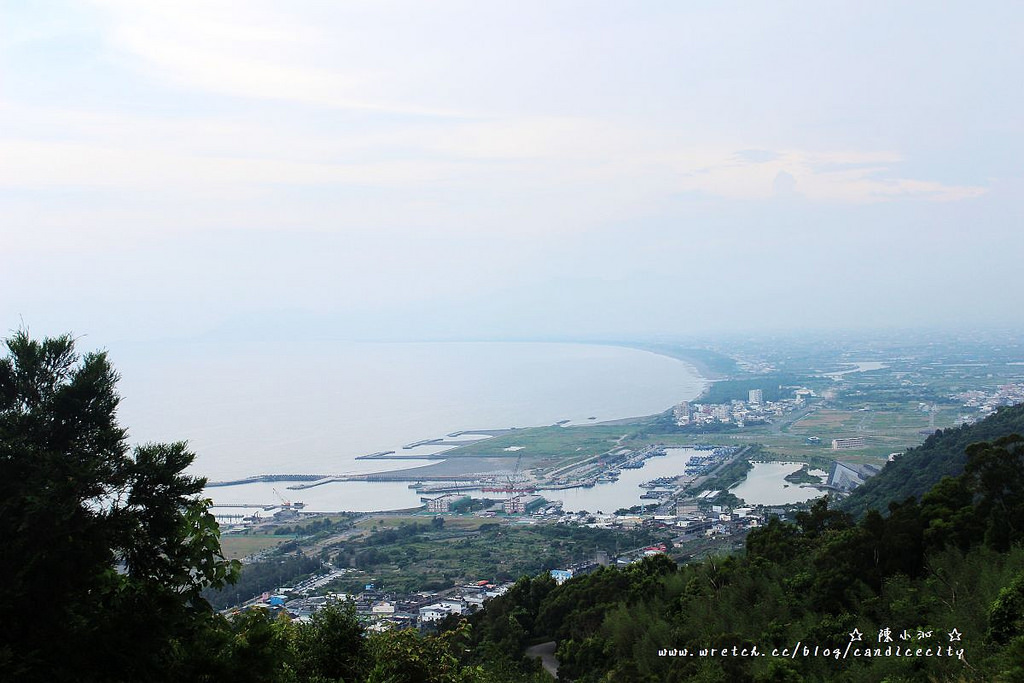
(468, 465)
(703, 366)
(471, 466)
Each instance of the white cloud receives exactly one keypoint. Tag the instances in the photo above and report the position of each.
(331, 153)
(60, 164)
(838, 177)
(542, 170)
(499, 181)
(245, 49)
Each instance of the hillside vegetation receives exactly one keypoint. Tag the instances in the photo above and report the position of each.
(109, 549)
(931, 592)
(942, 454)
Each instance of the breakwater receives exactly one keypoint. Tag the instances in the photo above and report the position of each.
(266, 478)
(391, 455)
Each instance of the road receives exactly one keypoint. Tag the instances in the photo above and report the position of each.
(788, 421)
(546, 653)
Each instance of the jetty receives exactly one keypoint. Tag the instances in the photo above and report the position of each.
(262, 506)
(421, 442)
(483, 432)
(375, 456)
(266, 478)
(391, 455)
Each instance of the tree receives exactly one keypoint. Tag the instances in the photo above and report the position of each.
(995, 472)
(405, 656)
(819, 519)
(107, 547)
(331, 646)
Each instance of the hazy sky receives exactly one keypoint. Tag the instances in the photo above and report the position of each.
(485, 169)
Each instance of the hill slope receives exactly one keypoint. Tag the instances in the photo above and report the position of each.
(942, 454)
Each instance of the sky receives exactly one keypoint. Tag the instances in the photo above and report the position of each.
(476, 170)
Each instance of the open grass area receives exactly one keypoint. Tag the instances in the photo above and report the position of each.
(886, 429)
(432, 558)
(548, 441)
(237, 546)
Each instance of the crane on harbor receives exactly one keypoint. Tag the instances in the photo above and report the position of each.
(287, 504)
(513, 487)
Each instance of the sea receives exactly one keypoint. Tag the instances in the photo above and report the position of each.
(314, 407)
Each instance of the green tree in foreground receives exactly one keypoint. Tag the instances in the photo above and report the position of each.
(106, 548)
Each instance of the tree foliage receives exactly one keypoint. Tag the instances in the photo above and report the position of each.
(107, 547)
(954, 560)
(108, 550)
(943, 454)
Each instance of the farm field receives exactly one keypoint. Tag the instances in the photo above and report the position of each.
(544, 442)
(237, 546)
(421, 554)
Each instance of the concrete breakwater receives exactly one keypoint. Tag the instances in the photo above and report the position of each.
(376, 456)
(376, 476)
(266, 478)
(391, 455)
(483, 432)
(440, 442)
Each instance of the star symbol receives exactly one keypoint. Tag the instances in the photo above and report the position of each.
(855, 634)
(954, 635)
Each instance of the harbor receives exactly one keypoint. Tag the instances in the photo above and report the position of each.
(655, 474)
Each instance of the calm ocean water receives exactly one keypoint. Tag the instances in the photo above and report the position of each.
(312, 408)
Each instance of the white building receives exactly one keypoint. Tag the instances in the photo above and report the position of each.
(514, 506)
(383, 608)
(440, 610)
(443, 503)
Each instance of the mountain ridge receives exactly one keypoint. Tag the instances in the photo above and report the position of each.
(942, 454)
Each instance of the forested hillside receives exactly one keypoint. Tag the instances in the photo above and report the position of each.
(108, 550)
(942, 454)
(932, 592)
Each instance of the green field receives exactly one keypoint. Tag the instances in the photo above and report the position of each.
(886, 428)
(546, 447)
(237, 546)
(425, 557)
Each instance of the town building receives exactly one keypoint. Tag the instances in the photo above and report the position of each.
(520, 505)
(848, 444)
(383, 608)
(444, 503)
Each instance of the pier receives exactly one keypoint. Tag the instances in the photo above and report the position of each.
(421, 442)
(483, 432)
(438, 442)
(262, 506)
(318, 482)
(391, 455)
(376, 456)
(264, 478)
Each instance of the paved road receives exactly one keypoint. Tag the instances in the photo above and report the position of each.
(783, 425)
(546, 653)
